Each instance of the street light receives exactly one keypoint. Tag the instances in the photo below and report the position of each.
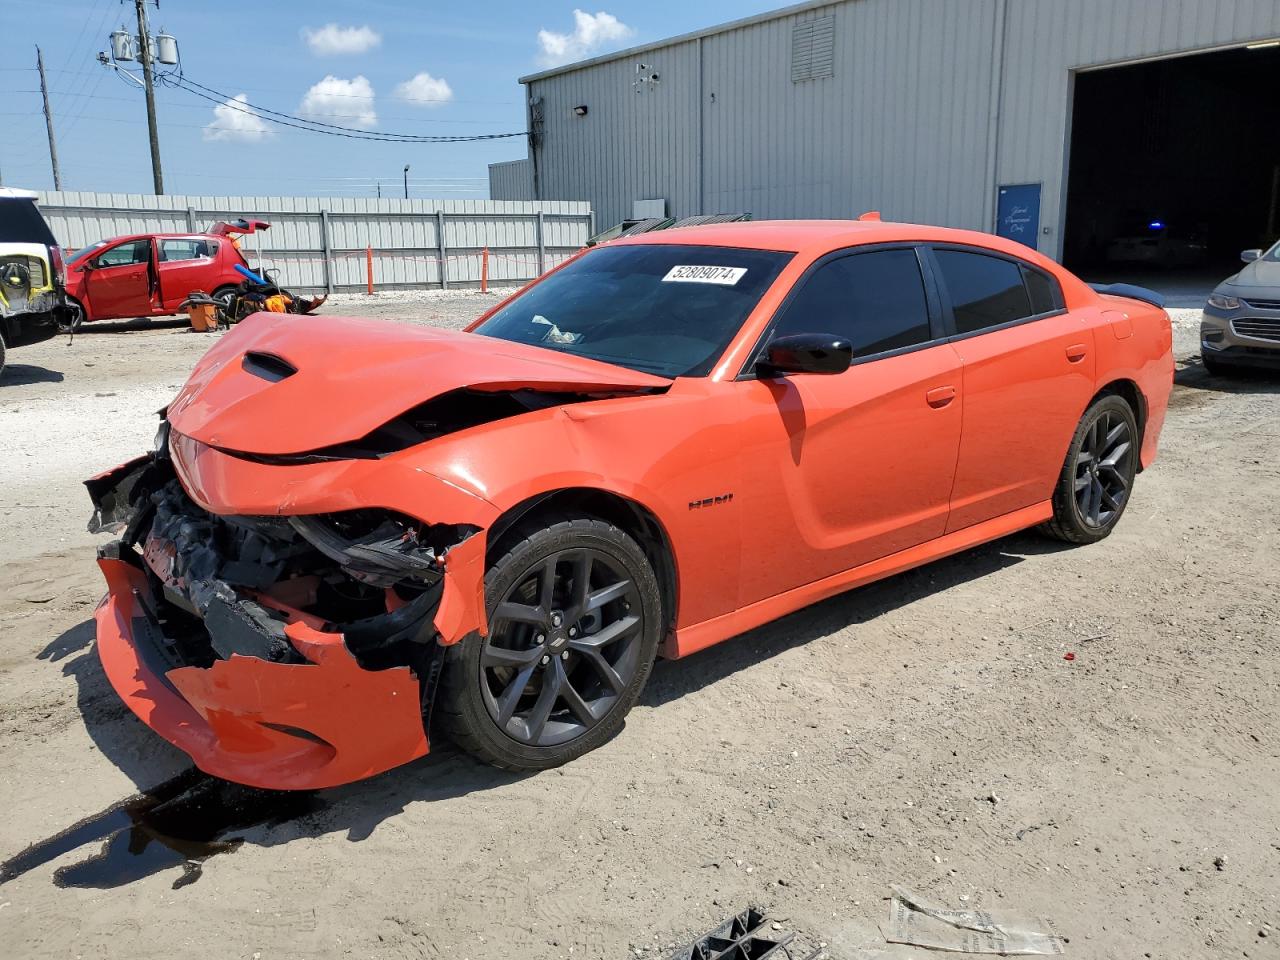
(406, 181)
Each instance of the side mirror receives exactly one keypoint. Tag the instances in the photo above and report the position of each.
(1248, 256)
(806, 353)
(88, 265)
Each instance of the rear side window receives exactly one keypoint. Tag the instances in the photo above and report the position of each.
(1046, 295)
(985, 291)
(874, 300)
(186, 249)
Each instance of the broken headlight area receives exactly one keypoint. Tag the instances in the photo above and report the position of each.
(224, 586)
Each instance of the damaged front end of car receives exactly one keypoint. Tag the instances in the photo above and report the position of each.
(289, 652)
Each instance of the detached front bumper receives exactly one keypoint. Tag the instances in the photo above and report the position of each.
(276, 651)
(283, 726)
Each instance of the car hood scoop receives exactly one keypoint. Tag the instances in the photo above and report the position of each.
(279, 384)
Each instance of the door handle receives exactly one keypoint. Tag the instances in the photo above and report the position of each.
(1076, 352)
(940, 396)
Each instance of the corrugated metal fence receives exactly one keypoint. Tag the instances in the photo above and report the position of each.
(321, 243)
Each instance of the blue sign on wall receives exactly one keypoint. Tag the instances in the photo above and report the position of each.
(1018, 213)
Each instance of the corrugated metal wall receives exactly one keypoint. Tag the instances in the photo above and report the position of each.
(523, 238)
(1047, 40)
(511, 180)
(905, 124)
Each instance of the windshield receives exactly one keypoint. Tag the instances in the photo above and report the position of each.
(85, 251)
(666, 309)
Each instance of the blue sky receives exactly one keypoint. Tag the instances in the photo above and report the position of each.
(430, 68)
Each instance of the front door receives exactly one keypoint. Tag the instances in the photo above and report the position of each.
(839, 470)
(119, 283)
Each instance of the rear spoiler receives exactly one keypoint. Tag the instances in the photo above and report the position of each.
(1132, 291)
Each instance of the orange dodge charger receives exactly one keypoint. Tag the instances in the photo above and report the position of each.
(353, 531)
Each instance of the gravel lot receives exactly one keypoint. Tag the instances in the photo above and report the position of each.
(926, 731)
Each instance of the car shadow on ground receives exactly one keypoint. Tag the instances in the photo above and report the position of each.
(17, 374)
(672, 680)
(1252, 380)
(137, 323)
(178, 824)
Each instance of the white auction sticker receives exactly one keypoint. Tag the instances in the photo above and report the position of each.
(726, 276)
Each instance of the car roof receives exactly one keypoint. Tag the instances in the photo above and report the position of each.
(816, 236)
(125, 237)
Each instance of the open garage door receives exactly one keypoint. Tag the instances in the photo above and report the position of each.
(1174, 164)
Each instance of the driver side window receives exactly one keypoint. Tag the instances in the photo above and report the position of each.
(874, 300)
(135, 251)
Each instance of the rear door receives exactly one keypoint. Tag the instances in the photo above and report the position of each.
(839, 470)
(1028, 374)
(120, 282)
(186, 264)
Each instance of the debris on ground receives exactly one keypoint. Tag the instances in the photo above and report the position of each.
(922, 923)
(741, 936)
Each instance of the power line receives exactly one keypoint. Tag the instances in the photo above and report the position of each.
(317, 126)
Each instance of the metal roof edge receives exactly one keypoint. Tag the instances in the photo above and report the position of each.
(682, 38)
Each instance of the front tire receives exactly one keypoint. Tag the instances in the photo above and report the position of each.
(1213, 366)
(575, 616)
(1097, 476)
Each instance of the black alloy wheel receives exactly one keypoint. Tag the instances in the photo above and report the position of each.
(1104, 469)
(574, 617)
(563, 644)
(1097, 477)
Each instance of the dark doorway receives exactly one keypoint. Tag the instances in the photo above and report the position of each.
(1174, 164)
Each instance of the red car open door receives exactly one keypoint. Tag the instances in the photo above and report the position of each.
(120, 281)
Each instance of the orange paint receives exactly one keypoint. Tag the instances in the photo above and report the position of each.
(806, 485)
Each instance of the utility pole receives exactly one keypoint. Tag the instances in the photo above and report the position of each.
(144, 38)
(406, 181)
(48, 122)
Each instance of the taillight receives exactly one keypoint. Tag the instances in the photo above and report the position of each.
(59, 268)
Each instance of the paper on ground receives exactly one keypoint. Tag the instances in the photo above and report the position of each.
(919, 922)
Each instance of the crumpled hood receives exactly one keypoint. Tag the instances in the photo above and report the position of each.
(343, 377)
(1260, 278)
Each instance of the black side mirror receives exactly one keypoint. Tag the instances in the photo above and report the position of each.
(806, 353)
(1248, 256)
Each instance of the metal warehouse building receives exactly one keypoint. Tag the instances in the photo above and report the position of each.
(1062, 123)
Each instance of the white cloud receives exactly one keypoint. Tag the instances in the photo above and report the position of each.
(592, 32)
(424, 90)
(332, 39)
(348, 102)
(236, 120)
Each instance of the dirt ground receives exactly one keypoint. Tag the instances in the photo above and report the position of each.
(926, 731)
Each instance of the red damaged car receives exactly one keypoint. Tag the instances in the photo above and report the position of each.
(151, 274)
(353, 532)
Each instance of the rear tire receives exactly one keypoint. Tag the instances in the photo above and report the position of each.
(2, 357)
(575, 616)
(1097, 476)
(226, 297)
